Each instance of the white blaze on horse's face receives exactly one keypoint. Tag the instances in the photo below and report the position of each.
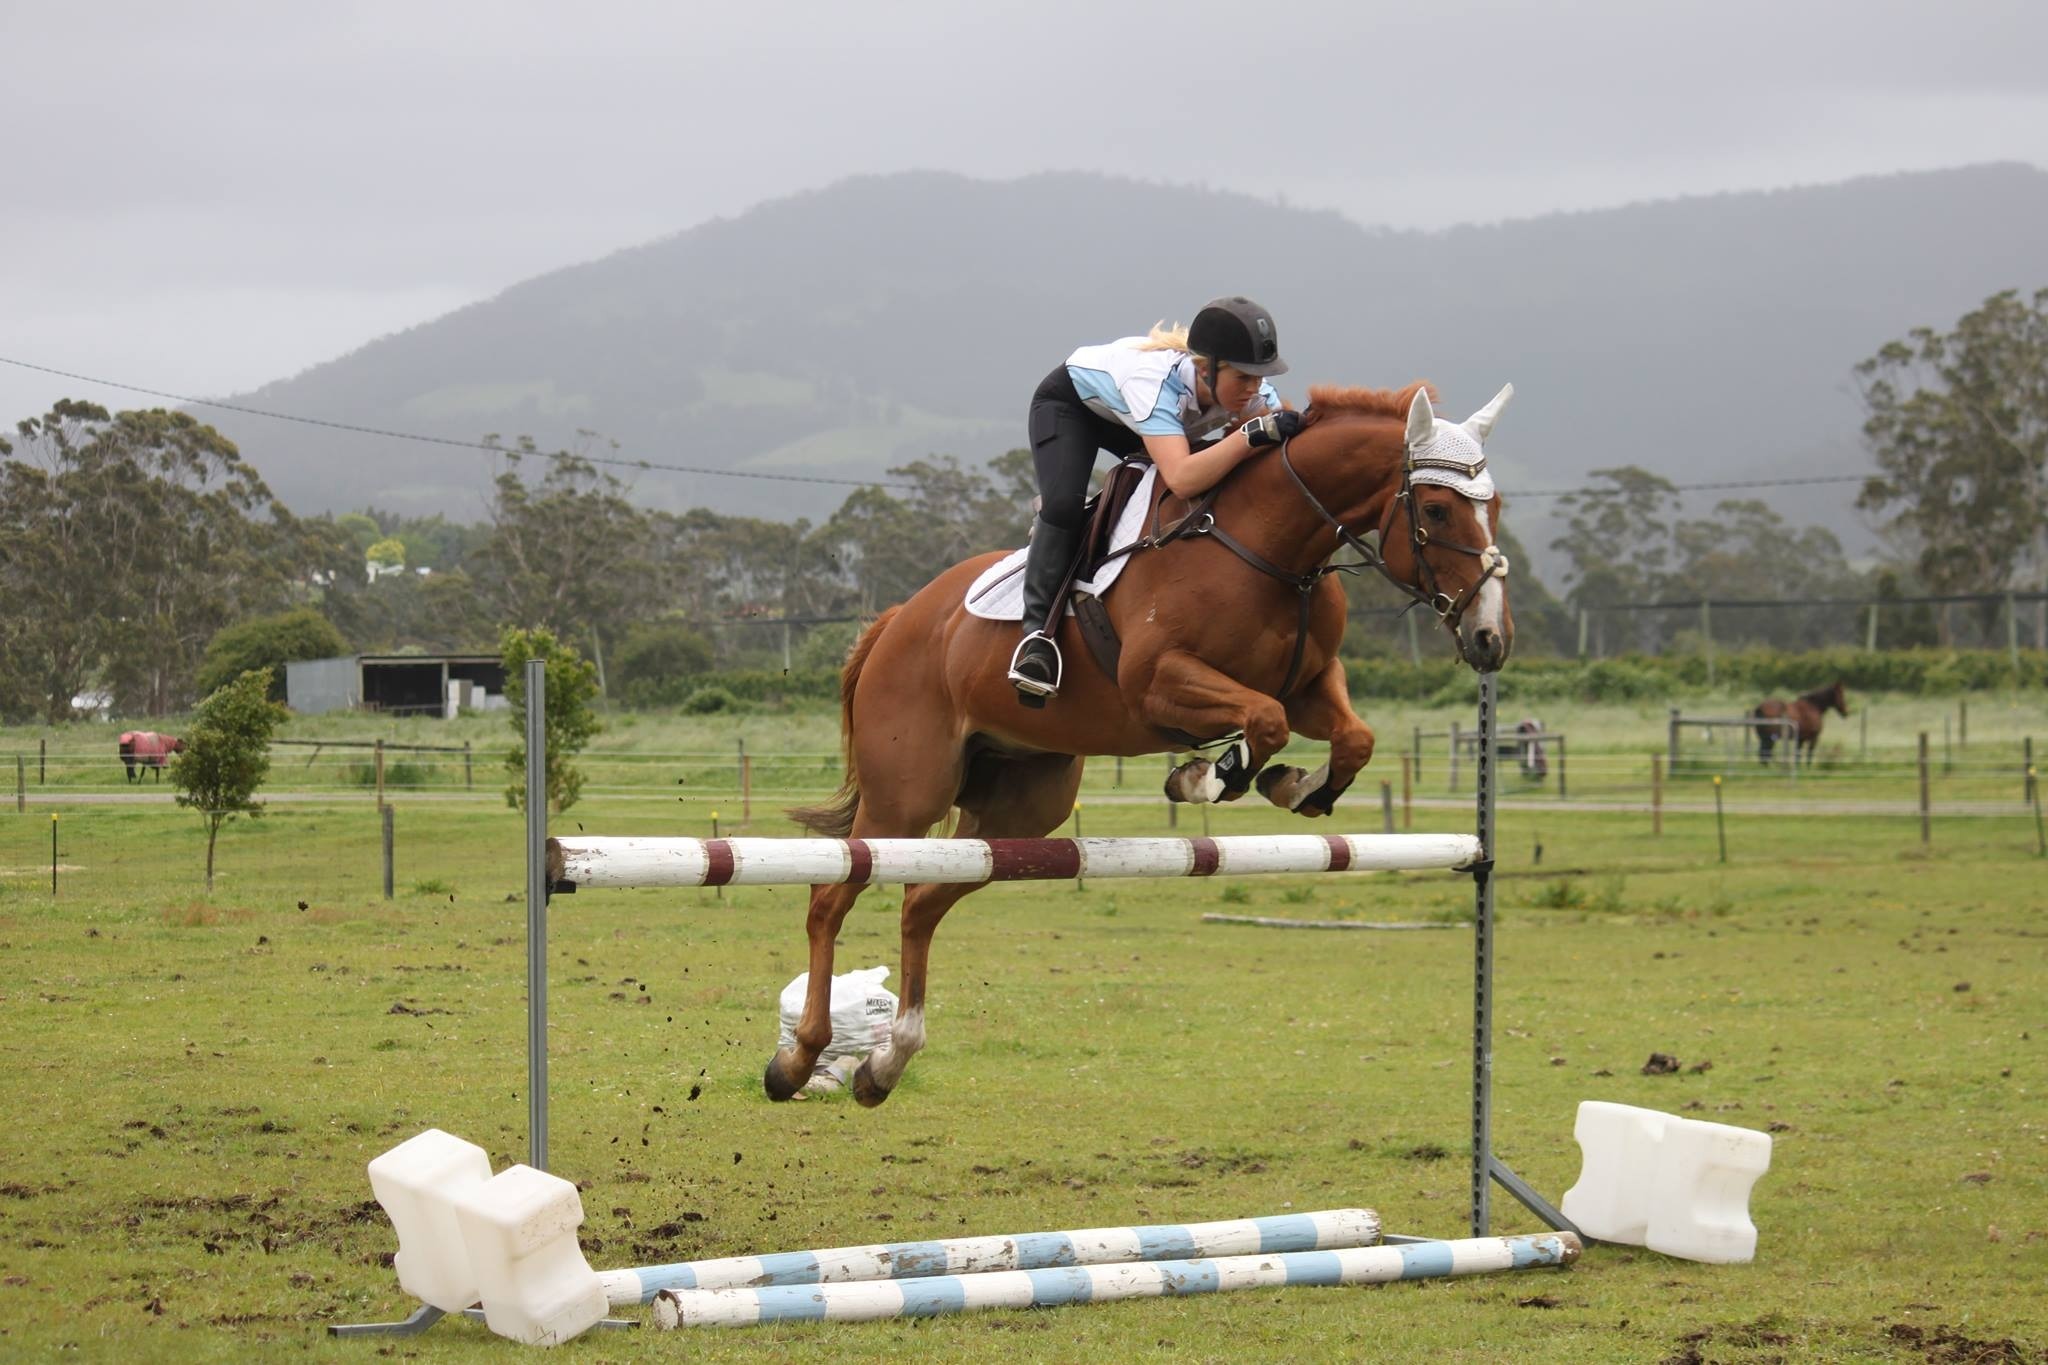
(1453, 454)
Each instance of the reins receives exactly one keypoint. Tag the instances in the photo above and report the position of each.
(1492, 563)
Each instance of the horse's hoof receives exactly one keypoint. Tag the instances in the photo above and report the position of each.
(1321, 801)
(776, 1080)
(865, 1090)
(1273, 776)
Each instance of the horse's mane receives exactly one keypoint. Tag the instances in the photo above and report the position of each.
(1327, 399)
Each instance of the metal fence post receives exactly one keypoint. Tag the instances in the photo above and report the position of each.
(536, 913)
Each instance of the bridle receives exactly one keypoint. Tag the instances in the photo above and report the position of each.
(1449, 610)
(1492, 563)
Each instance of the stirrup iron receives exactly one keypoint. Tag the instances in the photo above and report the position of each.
(1038, 687)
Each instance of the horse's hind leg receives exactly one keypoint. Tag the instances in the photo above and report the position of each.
(789, 1070)
(891, 806)
(1023, 798)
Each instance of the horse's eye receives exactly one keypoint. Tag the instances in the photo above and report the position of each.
(1436, 512)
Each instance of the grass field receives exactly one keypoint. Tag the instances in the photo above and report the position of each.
(197, 1083)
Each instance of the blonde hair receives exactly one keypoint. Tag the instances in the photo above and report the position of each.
(1165, 337)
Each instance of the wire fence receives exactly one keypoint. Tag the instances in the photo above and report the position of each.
(439, 825)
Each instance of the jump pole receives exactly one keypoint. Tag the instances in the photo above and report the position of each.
(866, 1301)
(1326, 1230)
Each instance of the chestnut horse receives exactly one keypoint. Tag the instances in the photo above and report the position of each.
(1228, 631)
(1805, 711)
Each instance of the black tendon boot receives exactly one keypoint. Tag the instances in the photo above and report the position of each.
(1036, 667)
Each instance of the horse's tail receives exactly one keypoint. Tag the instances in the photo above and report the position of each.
(834, 819)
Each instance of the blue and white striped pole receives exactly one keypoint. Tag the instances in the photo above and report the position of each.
(1323, 1230)
(866, 1300)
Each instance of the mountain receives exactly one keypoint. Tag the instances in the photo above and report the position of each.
(839, 331)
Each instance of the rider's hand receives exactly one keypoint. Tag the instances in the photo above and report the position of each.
(1271, 429)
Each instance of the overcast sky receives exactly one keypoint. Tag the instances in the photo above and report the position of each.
(204, 197)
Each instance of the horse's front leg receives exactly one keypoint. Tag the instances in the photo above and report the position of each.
(789, 1070)
(1183, 693)
(1321, 710)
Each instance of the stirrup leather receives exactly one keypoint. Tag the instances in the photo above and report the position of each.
(1037, 687)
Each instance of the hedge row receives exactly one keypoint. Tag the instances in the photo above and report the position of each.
(1766, 672)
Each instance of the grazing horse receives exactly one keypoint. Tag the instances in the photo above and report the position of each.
(1229, 627)
(147, 749)
(1805, 711)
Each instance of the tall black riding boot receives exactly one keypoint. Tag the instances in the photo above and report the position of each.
(1036, 668)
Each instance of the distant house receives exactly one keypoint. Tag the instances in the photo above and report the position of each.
(407, 684)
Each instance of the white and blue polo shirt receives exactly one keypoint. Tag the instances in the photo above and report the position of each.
(1151, 391)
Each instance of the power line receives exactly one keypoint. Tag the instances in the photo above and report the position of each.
(668, 467)
(460, 445)
(1704, 488)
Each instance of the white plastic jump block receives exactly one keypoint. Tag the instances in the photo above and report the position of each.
(1677, 1186)
(520, 1229)
(417, 1183)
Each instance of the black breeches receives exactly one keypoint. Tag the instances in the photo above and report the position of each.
(1065, 436)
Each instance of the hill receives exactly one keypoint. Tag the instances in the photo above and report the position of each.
(842, 330)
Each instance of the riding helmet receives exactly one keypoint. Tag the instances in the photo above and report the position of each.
(1240, 334)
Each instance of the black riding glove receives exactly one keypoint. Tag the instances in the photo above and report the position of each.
(1271, 429)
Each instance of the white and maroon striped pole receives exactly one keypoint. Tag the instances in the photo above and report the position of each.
(622, 862)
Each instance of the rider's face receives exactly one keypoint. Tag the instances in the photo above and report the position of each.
(1235, 390)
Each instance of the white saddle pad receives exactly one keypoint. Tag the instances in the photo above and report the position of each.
(998, 595)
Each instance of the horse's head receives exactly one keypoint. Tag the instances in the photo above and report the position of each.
(1439, 536)
(1838, 699)
(1369, 460)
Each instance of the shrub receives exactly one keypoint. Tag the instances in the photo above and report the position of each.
(268, 642)
(706, 701)
(659, 665)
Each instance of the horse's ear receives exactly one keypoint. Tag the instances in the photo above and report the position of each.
(1421, 420)
(1480, 423)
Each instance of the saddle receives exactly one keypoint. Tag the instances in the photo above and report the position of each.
(1103, 511)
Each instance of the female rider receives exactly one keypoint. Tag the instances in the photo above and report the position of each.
(1167, 394)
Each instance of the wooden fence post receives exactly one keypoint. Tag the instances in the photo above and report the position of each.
(1407, 808)
(1387, 805)
(1657, 794)
(380, 774)
(746, 788)
(1453, 760)
(20, 785)
(1720, 819)
(2027, 767)
(42, 762)
(1926, 826)
(389, 873)
(1562, 790)
(468, 772)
